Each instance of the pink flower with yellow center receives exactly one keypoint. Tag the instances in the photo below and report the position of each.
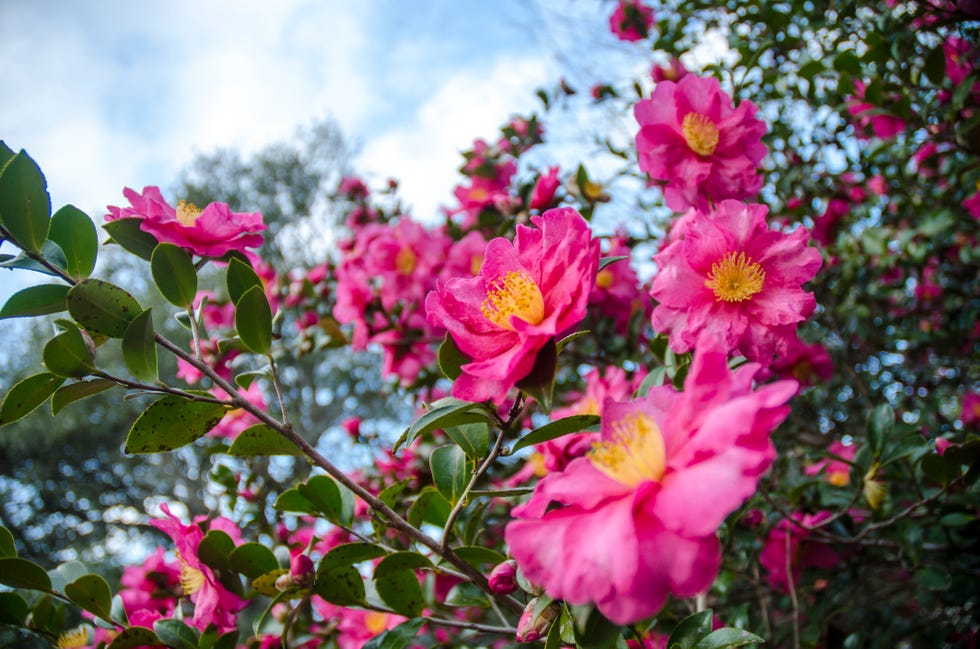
(636, 519)
(733, 277)
(210, 232)
(698, 145)
(527, 293)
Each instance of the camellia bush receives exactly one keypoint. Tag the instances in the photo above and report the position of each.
(715, 386)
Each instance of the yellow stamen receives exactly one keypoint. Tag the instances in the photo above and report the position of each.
(191, 579)
(476, 262)
(700, 133)
(73, 638)
(187, 213)
(405, 261)
(634, 454)
(735, 278)
(513, 295)
(604, 278)
(839, 478)
(375, 622)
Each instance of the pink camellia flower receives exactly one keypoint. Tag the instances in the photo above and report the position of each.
(636, 520)
(617, 294)
(797, 552)
(543, 194)
(631, 20)
(871, 117)
(210, 232)
(213, 603)
(692, 139)
(836, 471)
(970, 410)
(972, 204)
(151, 585)
(733, 276)
(805, 363)
(527, 292)
(237, 420)
(674, 71)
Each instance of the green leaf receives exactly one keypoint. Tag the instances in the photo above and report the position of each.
(451, 359)
(21, 573)
(690, 630)
(92, 593)
(454, 413)
(176, 634)
(253, 321)
(134, 636)
(598, 632)
(401, 591)
(726, 638)
(450, 471)
(262, 440)
(341, 585)
(540, 382)
(653, 379)
(174, 274)
(266, 584)
(26, 395)
(934, 578)
(564, 426)
(118, 609)
(561, 344)
(349, 554)
(78, 390)
(465, 594)
(68, 354)
(324, 494)
(7, 546)
(605, 261)
(935, 66)
(478, 556)
(36, 300)
(401, 561)
(172, 422)
(25, 207)
(6, 155)
(474, 439)
(881, 424)
(399, 637)
(292, 500)
(75, 234)
(240, 278)
(102, 308)
(131, 237)
(139, 347)
(13, 609)
(429, 507)
(253, 560)
(847, 61)
(553, 641)
(214, 550)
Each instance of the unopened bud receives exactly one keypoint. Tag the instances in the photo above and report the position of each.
(302, 571)
(533, 624)
(503, 578)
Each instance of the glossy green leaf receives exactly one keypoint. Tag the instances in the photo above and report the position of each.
(36, 300)
(21, 573)
(555, 429)
(401, 591)
(7, 546)
(176, 634)
(597, 632)
(50, 253)
(239, 279)
(262, 440)
(341, 585)
(25, 207)
(253, 560)
(881, 424)
(401, 561)
(13, 609)
(478, 556)
(172, 422)
(349, 554)
(606, 261)
(266, 584)
(174, 274)
(134, 636)
(77, 390)
(450, 471)
(26, 395)
(139, 348)
(429, 507)
(454, 413)
(474, 439)
(451, 359)
(935, 578)
(75, 234)
(253, 320)
(214, 550)
(131, 237)
(466, 594)
(540, 382)
(118, 609)
(690, 630)
(553, 640)
(102, 308)
(324, 494)
(728, 638)
(6, 155)
(69, 355)
(92, 593)
(292, 500)
(399, 637)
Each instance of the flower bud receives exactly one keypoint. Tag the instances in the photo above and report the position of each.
(503, 578)
(302, 570)
(533, 626)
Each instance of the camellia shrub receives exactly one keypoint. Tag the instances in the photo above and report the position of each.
(718, 386)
